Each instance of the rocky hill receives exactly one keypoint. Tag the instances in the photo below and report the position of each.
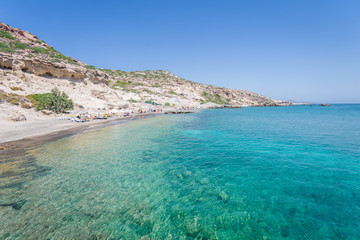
(28, 65)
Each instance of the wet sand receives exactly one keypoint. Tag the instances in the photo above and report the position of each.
(26, 134)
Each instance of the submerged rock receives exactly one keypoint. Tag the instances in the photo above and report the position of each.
(192, 227)
(205, 181)
(180, 176)
(6, 147)
(223, 197)
(187, 173)
(15, 205)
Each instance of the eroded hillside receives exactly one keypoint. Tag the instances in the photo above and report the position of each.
(29, 65)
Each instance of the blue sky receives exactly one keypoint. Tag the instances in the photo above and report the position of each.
(291, 50)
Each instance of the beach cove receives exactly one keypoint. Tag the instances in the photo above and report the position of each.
(33, 132)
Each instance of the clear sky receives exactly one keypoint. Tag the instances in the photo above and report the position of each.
(303, 50)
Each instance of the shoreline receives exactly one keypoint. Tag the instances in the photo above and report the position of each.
(34, 133)
(27, 134)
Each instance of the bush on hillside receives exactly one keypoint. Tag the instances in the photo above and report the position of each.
(40, 50)
(19, 45)
(5, 34)
(5, 48)
(55, 101)
(90, 67)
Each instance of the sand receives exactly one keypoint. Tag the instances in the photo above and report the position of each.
(32, 132)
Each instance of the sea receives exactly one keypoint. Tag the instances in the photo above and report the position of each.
(248, 173)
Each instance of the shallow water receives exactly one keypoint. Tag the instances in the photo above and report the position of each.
(250, 173)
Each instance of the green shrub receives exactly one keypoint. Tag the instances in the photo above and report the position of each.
(55, 60)
(121, 84)
(5, 48)
(35, 98)
(60, 56)
(216, 98)
(90, 67)
(55, 101)
(172, 92)
(40, 50)
(167, 104)
(109, 71)
(38, 41)
(5, 34)
(120, 73)
(57, 55)
(19, 45)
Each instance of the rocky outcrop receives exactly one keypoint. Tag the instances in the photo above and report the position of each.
(18, 32)
(39, 67)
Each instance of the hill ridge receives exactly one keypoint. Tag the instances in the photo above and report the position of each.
(30, 64)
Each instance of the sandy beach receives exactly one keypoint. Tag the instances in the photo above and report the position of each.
(33, 132)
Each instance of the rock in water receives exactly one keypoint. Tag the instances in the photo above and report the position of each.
(205, 181)
(6, 147)
(223, 197)
(15, 205)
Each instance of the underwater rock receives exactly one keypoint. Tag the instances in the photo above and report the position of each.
(205, 181)
(223, 197)
(6, 147)
(193, 227)
(147, 158)
(180, 176)
(187, 173)
(15, 205)
(148, 155)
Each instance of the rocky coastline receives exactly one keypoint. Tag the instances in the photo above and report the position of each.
(30, 66)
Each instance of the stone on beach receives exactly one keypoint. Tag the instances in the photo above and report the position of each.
(47, 112)
(19, 118)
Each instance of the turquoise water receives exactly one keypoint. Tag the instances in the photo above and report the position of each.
(250, 173)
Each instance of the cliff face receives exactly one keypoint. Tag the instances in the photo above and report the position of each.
(23, 51)
(29, 64)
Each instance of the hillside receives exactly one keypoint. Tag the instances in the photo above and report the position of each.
(29, 65)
